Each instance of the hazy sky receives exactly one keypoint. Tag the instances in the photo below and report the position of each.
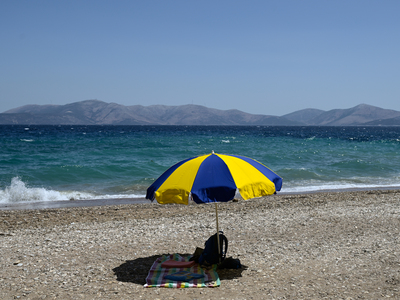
(267, 57)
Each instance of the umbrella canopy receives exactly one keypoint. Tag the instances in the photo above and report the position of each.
(214, 178)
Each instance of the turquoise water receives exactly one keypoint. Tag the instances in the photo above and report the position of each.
(48, 163)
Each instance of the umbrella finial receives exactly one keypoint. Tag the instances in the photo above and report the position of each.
(212, 152)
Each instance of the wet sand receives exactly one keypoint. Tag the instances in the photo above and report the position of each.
(71, 203)
(330, 245)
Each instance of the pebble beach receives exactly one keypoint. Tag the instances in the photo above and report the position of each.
(327, 245)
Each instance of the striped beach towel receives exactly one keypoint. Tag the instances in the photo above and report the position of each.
(156, 276)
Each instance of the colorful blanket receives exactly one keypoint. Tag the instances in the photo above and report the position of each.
(191, 277)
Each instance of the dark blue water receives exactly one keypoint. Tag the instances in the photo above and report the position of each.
(48, 163)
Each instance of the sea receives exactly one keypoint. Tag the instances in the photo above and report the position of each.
(62, 163)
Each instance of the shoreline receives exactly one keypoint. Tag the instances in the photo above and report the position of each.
(120, 201)
(70, 203)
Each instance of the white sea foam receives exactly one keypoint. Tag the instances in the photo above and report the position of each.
(337, 187)
(18, 191)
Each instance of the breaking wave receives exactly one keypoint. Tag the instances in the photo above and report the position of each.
(19, 192)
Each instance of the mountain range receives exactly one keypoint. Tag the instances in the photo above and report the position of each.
(95, 112)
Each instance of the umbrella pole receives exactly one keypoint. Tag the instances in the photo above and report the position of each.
(219, 248)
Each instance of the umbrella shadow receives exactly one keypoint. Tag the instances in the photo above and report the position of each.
(135, 271)
(229, 274)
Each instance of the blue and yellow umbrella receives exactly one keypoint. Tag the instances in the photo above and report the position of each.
(214, 178)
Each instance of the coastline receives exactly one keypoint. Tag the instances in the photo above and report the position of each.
(342, 244)
(121, 201)
(70, 203)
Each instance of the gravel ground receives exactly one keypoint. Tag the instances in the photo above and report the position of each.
(336, 245)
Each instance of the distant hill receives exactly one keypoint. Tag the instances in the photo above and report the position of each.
(304, 115)
(359, 115)
(95, 112)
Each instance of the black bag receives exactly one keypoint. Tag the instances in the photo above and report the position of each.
(210, 255)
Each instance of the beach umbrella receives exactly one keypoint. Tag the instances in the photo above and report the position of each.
(214, 178)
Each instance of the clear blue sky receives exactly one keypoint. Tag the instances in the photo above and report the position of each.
(267, 57)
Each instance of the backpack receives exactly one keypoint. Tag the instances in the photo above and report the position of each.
(210, 253)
